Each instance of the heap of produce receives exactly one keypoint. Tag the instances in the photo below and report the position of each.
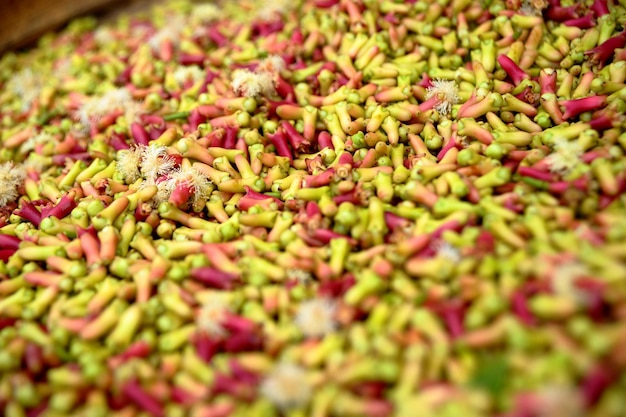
(317, 208)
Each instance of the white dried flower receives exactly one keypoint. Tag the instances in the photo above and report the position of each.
(40, 138)
(211, 315)
(273, 63)
(533, 7)
(565, 155)
(198, 183)
(171, 33)
(155, 161)
(272, 9)
(564, 279)
(250, 84)
(559, 401)
(446, 250)
(128, 163)
(446, 93)
(11, 178)
(103, 36)
(316, 318)
(206, 12)
(26, 85)
(287, 386)
(97, 107)
(299, 275)
(191, 73)
(132, 111)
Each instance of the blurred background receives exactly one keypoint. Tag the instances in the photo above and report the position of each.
(23, 21)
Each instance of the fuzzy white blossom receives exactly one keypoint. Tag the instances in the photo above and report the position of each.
(155, 161)
(273, 63)
(272, 9)
(446, 93)
(564, 279)
(211, 315)
(316, 318)
(128, 163)
(446, 250)
(171, 32)
(299, 275)
(206, 12)
(97, 107)
(32, 142)
(565, 156)
(287, 386)
(253, 84)
(198, 182)
(191, 73)
(26, 85)
(11, 178)
(559, 401)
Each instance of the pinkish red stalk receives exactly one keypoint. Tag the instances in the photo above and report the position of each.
(325, 4)
(595, 383)
(429, 104)
(512, 69)
(61, 159)
(312, 209)
(243, 342)
(216, 36)
(206, 347)
(535, 173)
(209, 111)
(29, 213)
(279, 140)
(449, 145)
(324, 140)
(195, 119)
(600, 7)
(601, 53)
(191, 59)
(519, 305)
(577, 106)
(321, 179)
(9, 242)
(336, 287)
(394, 221)
(326, 235)
(238, 324)
(214, 278)
(7, 322)
(63, 208)
(180, 396)
(264, 29)
(453, 317)
(547, 81)
(139, 134)
(584, 22)
(139, 349)
(118, 141)
(242, 374)
(5, 254)
(181, 194)
(134, 392)
(350, 197)
(296, 140)
(601, 123)
(452, 225)
(230, 137)
(38, 410)
(560, 13)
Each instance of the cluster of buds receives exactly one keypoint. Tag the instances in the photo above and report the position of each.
(330, 207)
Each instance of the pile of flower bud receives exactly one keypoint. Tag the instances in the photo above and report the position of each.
(317, 208)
